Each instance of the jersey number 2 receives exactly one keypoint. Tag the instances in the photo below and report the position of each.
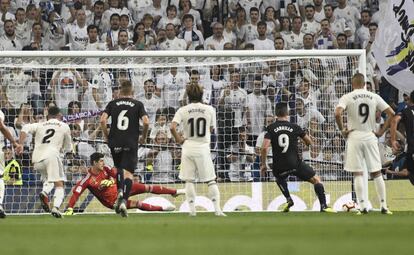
(49, 133)
(123, 121)
(283, 141)
(199, 127)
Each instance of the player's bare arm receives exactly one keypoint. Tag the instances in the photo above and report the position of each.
(177, 137)
(103, 122)
(390, 115)
(339, 122)
(307, 140)
(5, 131)
(393, 129)
(145, 123)
(263, 157)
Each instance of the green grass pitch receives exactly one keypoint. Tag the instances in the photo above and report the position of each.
(239, 233)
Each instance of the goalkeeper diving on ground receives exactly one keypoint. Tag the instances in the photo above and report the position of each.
(101, 182)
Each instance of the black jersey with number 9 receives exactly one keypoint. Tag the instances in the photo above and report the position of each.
(284, 139)
(125, 114)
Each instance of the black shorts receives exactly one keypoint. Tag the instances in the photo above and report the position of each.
(303, 172)
(125, 158)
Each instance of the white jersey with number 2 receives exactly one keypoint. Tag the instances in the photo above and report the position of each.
(50, 138)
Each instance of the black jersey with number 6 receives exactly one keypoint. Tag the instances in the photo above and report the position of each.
(284, 139)
(125, 114)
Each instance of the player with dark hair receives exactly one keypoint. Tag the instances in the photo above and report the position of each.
(198, 122)
(406, 117)
(100, 181)
(51, 137)
(122, 138)
(283, 136)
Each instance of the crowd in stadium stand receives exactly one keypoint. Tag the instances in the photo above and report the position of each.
(244, 99)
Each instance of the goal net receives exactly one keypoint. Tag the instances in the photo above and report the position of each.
(242, 86)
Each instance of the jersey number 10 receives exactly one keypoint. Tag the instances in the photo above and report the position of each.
(198, 127)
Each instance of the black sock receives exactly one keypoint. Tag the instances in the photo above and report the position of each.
(353, 195)
(320, 192)
(120, 180)
(281, 182)
(127, 188)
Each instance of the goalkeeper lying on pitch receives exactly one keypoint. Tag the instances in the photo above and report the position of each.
(101, 183)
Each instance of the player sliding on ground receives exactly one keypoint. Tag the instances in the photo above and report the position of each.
(100, 181)
(362, 143)
(198, 122)
(283, 136)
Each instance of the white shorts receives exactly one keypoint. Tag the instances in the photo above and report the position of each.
(359, 151)
(51, 169)
(197, 165)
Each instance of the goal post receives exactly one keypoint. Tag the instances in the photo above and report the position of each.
(243, 86)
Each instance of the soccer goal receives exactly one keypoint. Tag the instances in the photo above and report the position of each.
(243, 86)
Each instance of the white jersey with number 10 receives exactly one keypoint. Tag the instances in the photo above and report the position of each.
(50, 138)
(361, 106)
(196, 119)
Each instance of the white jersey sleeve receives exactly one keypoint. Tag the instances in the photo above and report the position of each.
(381, 104)
(1, 116)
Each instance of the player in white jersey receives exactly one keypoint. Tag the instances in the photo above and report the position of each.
(17, 147)
(198, 121)
(51, 137)
(362, 143)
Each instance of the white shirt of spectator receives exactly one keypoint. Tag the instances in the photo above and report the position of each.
(248, 33)
(265, 44)
(247, 4)
(294, 41)
(7, 44)
(309, 114)
(354, 102)
(16, 86)
(56, 40)
(237, 101)
(138, 77)
(154, 12)
(259, 144)
(196, 111)
(165, 20)
(218, 45)
(137, 8)
(61, 139)
(66, 88)
(338, 26)
(350, 14)
(319, 16)
(151, 106)
(230, 37)
(237, 172)
(9, 16)
(188, 37)
(259, 107)
(23, 32)
(106, 16)
(362, 35)
(174, 44)
(78, 37)
(163, 171)
(311, 27)
(103, 83)
(113, 34)
(171, 87)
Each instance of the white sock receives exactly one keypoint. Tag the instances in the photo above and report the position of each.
(380, 188)
(214, 195)
(58, 197)
(359, 191)
(2, 188)
(190, 195)
(47, 187)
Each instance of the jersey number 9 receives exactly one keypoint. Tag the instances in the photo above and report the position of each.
(283, 141)
(363, 111)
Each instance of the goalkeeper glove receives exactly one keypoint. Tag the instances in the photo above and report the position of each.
(69, 211)
(107, 183)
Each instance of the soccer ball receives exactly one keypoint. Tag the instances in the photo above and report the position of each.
(349, 206)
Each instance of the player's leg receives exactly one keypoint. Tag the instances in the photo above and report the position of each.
(117, 158)
(58, 199)
(206, 173)
(282, 184)
(55, 174)
(373, 161)
(2, 189)
(353, 164)
(187, 174)
(47, 187)
(129, 163)
(306, 172)
(409, 159)
(148, 207)
(139, 188)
